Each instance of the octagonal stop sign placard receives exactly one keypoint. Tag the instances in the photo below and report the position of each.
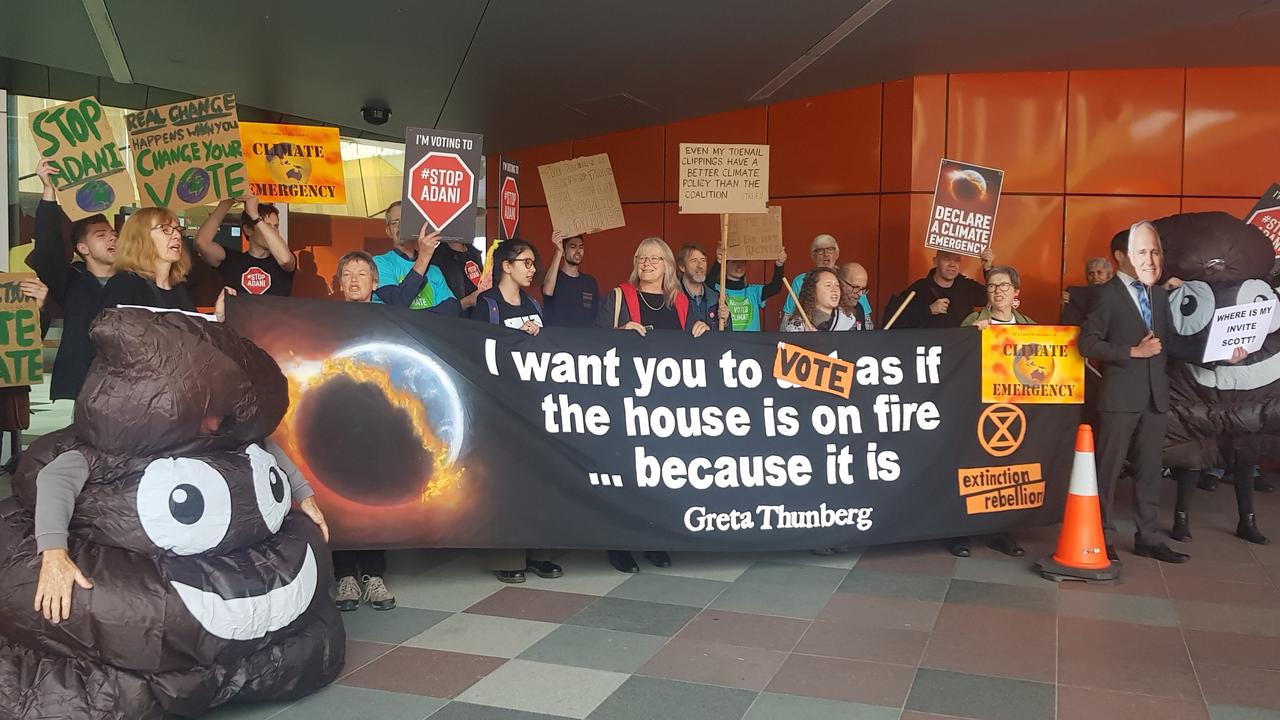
(510, 207)
(440, 183)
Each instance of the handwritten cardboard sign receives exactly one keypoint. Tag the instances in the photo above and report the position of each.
(582, 196)
(756, 236)
(965, 201)
(90, 175)
(1243, 326)
(720, 178)
(293, 163)
(21, 347)
(188, 154)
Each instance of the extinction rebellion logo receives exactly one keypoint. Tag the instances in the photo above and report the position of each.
(1001, 429)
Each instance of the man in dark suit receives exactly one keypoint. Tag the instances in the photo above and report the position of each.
(1125, 335)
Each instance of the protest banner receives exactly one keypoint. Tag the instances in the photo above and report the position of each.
(582, 196)
(756, 236)
(508, 198)
(441, 172)
(187, 154)
(1032, 364)
(1245, 326)
(1266, 216)
(89, 171)
(720, 178)
(293, 163)
(965, 201)
(20, 341)
(585, 438)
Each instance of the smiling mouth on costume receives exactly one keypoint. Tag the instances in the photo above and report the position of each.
(250, 618)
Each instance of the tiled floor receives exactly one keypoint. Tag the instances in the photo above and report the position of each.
(884, 633)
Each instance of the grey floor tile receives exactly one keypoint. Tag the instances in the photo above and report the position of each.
(482, 635)
(391, 626)
(893, 584)
(1124, 608)
(595, 648)
(979, 696)
(634, 616)
(790, 575)
(1234, 712)
(544, 688)
(1007, 571)
(671, 589)
(248, 711)
(467, 711)
(644, 698)
(339, 702)
(775, 706)
(1013, 597)
(773, 600)
(444, 594)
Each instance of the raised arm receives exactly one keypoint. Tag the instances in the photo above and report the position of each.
(553, 270)
(276, 244)
(210, 251)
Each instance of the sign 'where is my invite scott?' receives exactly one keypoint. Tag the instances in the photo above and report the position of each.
(21, 347)
(720, 178)
(188, 154)
(89, 172)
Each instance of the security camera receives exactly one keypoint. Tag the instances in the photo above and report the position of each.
(376, 115)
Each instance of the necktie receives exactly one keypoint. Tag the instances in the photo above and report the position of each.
(1144, 303)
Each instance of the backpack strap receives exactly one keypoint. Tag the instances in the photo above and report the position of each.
(617, 306)
(632, 297)
(494, 318)
(682, 310)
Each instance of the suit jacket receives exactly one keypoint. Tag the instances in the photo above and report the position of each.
(1075, 310)
(1112, 327)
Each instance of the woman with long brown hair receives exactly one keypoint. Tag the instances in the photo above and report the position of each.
(151, 263)
(820, 300)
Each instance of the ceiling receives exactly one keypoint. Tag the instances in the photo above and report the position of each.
(527, 72)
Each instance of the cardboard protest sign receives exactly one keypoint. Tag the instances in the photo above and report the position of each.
(21, 347)
(1244, 326)
(441, 171)
(187, 154)
(1032, 364)
(90, 177)
(756, 236)
(293, 163)
(719, 178)
(964, 208)
(1266, 216)
(508, 198)
(582, 196)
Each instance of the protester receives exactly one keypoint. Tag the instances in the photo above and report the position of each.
(943, 298)
(1244, 467)
(652, 299)
(1003, 288)
(266, 267)
(151, 263)
(704, 303)
(396, 265)
(853, 294)
(15, 402)
(572, 297)
(78, 287)
(1125, 333)
(825, 252)
(462, 267)
(1076, 300)
(820, 300)
(742, 300)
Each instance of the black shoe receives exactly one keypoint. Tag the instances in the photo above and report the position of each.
(1207, 482)
(1160, 552)
(659, 558)
(1248, 530)
(510, 576)
(545, 569)
(958, 547)
(1006, 543)
(1181, 528)
(1263, 485)
(1112, 554)
(622, 561)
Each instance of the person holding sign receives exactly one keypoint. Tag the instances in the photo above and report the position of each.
(78, 287)
(944, 297)
(15, 400)
(409, 259)
(266, 267)
(571, 296)
(704, 303)
(743, 301)
(462, 267)
(820, 300)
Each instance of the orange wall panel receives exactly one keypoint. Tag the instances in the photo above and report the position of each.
(895, 135)
(636, 158)
(750, 126)
(1124, 132)
(530, 184)
(1013, 121)
(1093, 221)
(895, 240)
(609, 253)
(826, 145)
(928, 130)
(853, 220)
(1231, 143)
(1028, 236)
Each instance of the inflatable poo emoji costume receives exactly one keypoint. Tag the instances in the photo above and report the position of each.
(206, 588)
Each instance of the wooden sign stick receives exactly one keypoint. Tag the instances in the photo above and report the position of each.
(910, 296)
(803, 315)
(724, 249)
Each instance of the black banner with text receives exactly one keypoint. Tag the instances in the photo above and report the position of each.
(418, 430)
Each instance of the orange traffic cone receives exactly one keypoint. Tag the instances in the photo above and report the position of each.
(1082, 553)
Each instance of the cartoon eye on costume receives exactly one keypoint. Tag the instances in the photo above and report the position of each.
(1192, 307)
(271, 487)
(184, 505)
(1256, 291)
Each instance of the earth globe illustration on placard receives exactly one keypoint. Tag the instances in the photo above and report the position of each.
(1032, 369)
(95, 196)
(286, 168)
(193, 185)
(968, 185)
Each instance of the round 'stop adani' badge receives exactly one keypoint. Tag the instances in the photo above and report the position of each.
(1001, 429)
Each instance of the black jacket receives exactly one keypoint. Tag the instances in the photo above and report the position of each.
(965, 295)
(1075, 310)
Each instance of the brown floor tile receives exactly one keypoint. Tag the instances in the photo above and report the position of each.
(848, 680)
(1125, 657)
(715, 664)
(1092, 704)
(874, 611)
(1236, 572)
(913, 715)
(929, 558)
(1215, 541)
(1016, 597)
(858, 642)
(1221, 593)
(1254, 651)
(1127, 677)
(759, 631)
(361, 653)
(423, 672)
(994, 641)
(1138, 576)
(1242, 619)
(530, 604)
(1249, 687)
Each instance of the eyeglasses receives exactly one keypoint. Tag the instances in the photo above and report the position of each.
(167, 228)
(856, 289)
(655, 261)
(528, 262)
(825, 250)
(394, 222)
(999, 287)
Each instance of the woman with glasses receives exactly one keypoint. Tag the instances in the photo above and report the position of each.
(820, 298)
(151, 263)
(1003, 287)
(507, 303)
(652, 300)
